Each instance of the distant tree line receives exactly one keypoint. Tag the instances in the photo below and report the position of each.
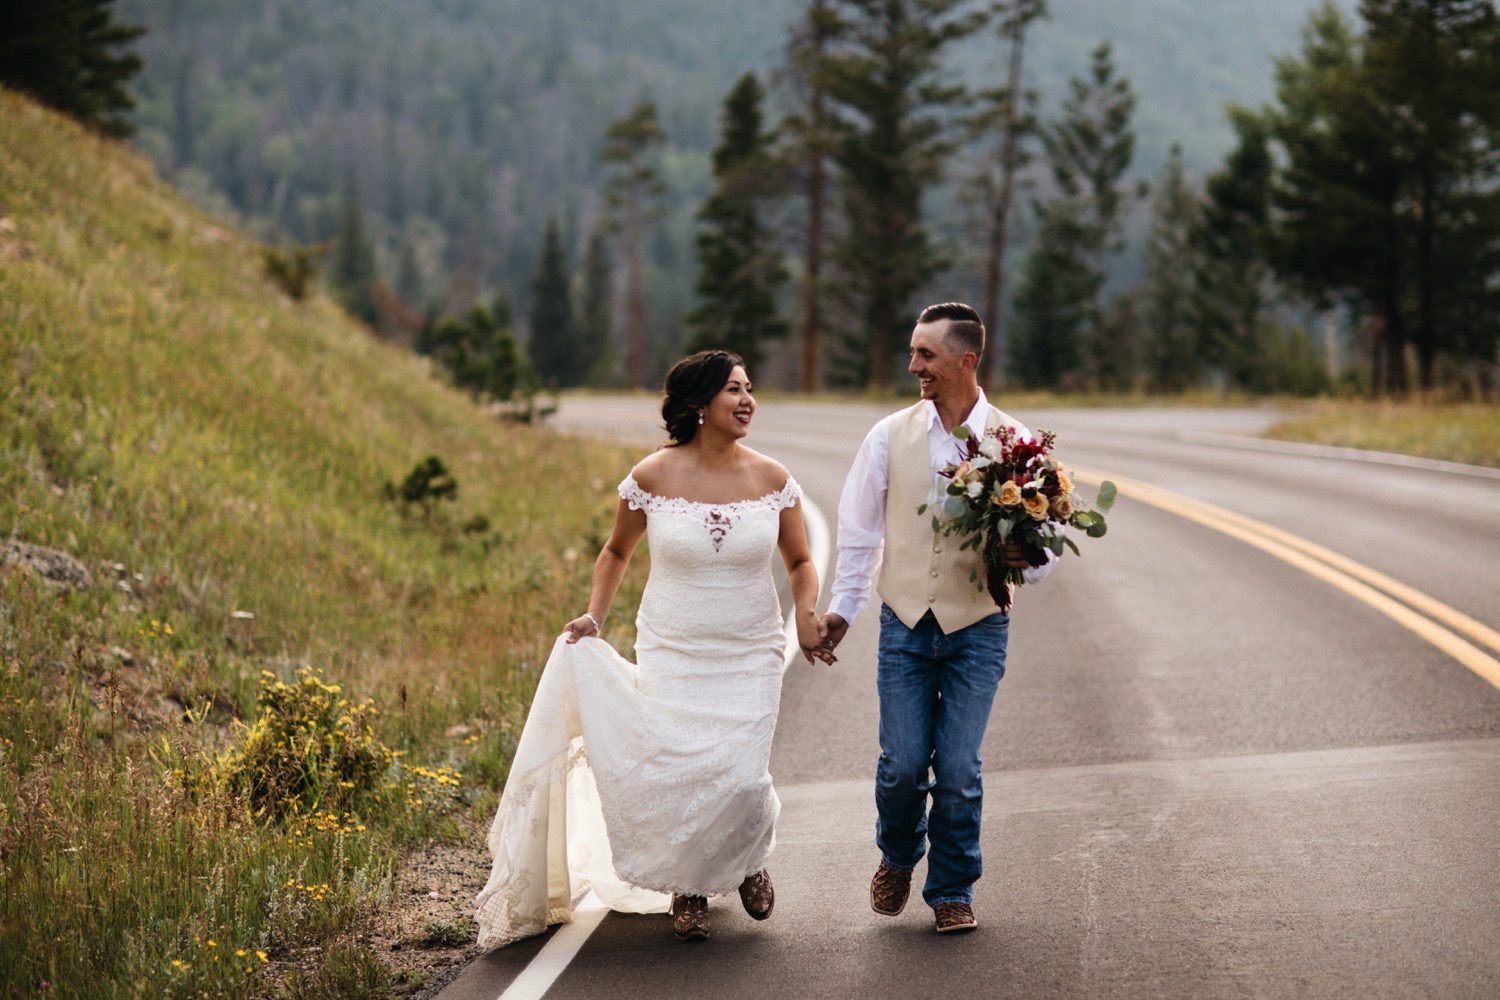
(1359, 208)
(1365, 195)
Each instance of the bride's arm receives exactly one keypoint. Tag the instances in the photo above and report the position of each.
(609, 570)
(792, 542)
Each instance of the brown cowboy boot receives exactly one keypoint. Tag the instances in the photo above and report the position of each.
(950, 917)
(690, 917)
(889, 889)
(758, 895)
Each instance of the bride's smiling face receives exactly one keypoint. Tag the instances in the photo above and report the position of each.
(731, 410)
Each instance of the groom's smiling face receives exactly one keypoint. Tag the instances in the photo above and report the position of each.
(937, 363)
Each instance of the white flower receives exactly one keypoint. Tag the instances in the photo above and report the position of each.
(974, 489)
(990, 448)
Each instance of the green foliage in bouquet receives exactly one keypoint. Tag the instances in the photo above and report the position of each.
(1008, 490)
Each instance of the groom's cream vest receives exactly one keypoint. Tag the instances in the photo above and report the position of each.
(920, 569)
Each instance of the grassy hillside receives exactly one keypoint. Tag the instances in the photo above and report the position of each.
(215, 455)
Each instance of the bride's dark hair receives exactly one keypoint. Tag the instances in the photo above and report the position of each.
(691, 383)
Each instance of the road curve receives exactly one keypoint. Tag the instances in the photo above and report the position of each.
(1209, 773)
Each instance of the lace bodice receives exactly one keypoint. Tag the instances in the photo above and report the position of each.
(710, 564)
(717, 518)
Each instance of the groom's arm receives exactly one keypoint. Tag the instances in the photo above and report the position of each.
(861, 530)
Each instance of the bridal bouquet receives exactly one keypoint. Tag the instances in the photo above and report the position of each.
(1010, 489)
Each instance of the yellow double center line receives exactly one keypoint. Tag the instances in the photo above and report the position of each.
(1355, 579)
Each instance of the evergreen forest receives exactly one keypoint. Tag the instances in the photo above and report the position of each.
(1154, 196)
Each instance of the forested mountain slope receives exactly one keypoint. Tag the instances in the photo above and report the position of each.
(462, 124)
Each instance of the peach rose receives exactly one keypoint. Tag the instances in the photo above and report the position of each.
(1063, 482)
(1062, 506)
(1036, 505)
(1010, 494)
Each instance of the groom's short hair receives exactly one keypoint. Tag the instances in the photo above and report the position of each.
(965, 328)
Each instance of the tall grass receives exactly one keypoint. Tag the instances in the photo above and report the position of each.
(1453, 432)
(216, 453)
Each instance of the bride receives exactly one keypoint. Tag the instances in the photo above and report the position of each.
(639, 780)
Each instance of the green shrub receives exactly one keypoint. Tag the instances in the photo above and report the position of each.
(293, 270)
(425, 486)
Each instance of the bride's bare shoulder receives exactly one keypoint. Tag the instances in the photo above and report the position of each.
(770, 475)
(653, 472)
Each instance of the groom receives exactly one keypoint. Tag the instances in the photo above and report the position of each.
(942, 641)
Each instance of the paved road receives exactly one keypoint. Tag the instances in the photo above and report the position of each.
(1208, 774)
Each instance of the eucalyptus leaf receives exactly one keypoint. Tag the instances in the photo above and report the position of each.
(1071, 544)
(961, 432)
(1097, 530)
(953, 507)
(1106, 498)
(1055, 543)
(936, 525)
(922, 509)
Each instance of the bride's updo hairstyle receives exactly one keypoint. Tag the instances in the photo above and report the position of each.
(691, 383)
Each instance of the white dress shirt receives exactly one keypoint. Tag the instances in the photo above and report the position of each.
(862, 504)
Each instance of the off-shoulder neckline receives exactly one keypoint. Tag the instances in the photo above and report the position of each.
(790, 484)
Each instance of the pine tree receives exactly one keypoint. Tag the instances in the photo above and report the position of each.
(1063, 341)
(1089, 150)
(554, 339)
(1007, 114)
(65, 53)
(634, 191)
(1056, 300)
(813, 131)
(353, 269)
(887, 78)
(596, 311)
(1171, 355)
(1333, 234)
(1230, 270)
(409, 278)
(739, 270)
(1390, 141)
(480, 353)
(1431, 70)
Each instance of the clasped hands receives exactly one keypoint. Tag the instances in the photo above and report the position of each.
(812, 634)
(832, 628)
(817, 635)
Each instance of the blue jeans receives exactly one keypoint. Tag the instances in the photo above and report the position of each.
(935, 696)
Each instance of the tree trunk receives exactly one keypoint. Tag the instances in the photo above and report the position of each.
(812, 293)
(994, 275)
(1377, 352)
(635, 297)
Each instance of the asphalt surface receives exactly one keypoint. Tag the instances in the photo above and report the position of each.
(1208, 773)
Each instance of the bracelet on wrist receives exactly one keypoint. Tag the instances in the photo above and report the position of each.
(594, 621)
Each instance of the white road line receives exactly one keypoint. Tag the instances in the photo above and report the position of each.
(543, 970)
(539, 975)
(1329, 451)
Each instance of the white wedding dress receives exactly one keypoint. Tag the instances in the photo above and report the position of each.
(640, 779)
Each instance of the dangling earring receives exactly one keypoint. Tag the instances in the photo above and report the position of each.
(700, 420)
